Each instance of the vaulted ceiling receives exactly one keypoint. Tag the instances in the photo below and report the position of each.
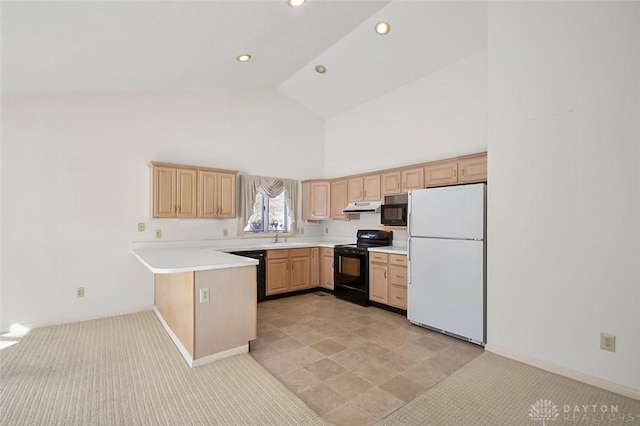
(52, 46)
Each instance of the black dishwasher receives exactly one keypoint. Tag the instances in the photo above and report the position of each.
(261, 256)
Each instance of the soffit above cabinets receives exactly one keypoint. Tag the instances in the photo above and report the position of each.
(72, 46)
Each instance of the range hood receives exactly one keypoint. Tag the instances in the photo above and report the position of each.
(363, 207)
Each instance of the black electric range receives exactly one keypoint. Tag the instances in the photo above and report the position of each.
(351, 265)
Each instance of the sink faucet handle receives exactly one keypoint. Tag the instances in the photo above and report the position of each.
(276, 237)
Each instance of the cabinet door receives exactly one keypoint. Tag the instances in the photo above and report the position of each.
(164, 192)
(444, 173)
(320, 200)
(326, 268)
(339, 199)
(372, 188)
(306, 201)
(356, 186)
(226, 196)
(300, 273)
(390, 183)
(412, 179)
(473, 169)
(378, 282)
(278, 276)
(315, 267)
(187, 193)
(207, 194)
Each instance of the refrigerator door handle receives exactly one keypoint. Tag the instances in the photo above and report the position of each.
(409, 260)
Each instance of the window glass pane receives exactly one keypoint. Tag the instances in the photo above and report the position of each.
(277, 219)
(269, 215)
(255, 220)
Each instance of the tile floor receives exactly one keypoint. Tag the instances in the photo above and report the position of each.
(352, 365)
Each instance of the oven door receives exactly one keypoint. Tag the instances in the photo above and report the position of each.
(350, 270)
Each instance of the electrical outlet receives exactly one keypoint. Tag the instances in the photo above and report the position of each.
(80, 292)
(204, 295)
(140, 226)
(326, 230)
(608, 342)
(225, 232)
(158, 233)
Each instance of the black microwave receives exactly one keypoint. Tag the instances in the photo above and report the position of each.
(393, 214)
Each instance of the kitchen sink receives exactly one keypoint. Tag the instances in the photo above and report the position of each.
(284, 244)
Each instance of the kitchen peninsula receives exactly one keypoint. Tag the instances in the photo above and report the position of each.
(204, 298)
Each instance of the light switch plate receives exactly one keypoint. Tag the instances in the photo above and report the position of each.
(140, 226)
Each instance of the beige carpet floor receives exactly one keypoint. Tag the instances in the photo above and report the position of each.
(493, 390)
(125, 370)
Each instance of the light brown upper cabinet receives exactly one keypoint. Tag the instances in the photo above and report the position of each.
(217, 194)
(372, 188)
(401, 181)
(316, 200)
(364, 188)
(179, 191)
(339, 199)
(173, 192)
(450, 172)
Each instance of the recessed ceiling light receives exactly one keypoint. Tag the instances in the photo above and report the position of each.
(244, 57)
(320, 69)
(383, 28)
(296, 3)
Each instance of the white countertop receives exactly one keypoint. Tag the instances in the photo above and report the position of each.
(188, 259)
(187, 256)
(389, 250)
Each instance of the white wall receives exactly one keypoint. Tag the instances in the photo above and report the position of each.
(564, 184)
(75, 182)
(441, 115)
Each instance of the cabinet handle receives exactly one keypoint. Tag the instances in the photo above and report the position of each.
(455, 173)
(404, 184)
(462, 172)
(399, 276)
(174, 208)
(385, 273)
(179, 209)
(399, 298)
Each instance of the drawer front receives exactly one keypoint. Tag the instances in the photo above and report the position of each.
(398, 275)
(378, 257)
(277, 254)
(300, 252)
(398, 297)
(398, 259)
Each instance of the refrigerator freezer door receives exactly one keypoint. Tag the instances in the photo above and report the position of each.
(448, 212)
(446, 291)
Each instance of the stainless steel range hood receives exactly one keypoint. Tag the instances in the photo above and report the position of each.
(362, 207)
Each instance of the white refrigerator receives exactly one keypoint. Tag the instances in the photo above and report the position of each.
(446, 260)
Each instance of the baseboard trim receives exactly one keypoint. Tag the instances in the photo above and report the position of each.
(566, 372)
(200, 361)
(5, 328)
(220, 355)
(183, 351)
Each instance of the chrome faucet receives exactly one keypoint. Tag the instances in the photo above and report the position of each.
(275, 237)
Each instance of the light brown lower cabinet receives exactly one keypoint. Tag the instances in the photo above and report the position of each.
(288, 270)
(388, 279)
(326, 268)
(315, 267)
